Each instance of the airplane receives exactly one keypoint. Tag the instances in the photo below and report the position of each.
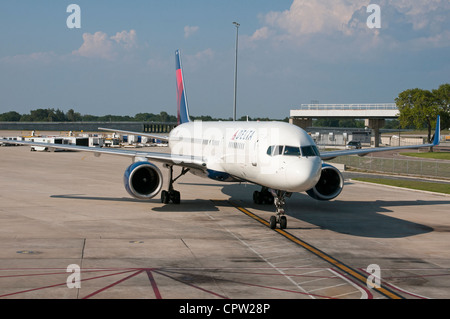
(280, 157)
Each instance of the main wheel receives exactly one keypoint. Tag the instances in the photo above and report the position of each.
(165, 197)
(273, 222)
(268, 199)
(257, 197)
(176, 197)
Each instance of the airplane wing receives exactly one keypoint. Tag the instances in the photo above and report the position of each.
(167, 158)
(157, 136)
(362, 152)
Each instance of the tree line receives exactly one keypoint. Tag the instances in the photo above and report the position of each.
(52, 115)
(418, 108)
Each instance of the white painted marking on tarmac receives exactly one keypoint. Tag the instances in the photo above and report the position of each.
(270, 264)
(364, 294)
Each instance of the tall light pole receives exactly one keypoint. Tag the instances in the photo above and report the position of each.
(235, 70)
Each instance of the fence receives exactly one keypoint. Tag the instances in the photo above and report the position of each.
(397, 166)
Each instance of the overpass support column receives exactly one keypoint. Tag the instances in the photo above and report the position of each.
(301, 122)
(375, 125)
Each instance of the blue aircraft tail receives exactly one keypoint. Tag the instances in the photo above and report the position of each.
(437, 132)
(182, 105)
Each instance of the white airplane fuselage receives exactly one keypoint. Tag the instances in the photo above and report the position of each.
(276, 155)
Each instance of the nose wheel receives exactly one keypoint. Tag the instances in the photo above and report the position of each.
(275, 220)
(279, 218)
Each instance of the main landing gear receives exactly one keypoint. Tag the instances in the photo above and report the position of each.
(171, 194)
(273, 197)
(263, 197)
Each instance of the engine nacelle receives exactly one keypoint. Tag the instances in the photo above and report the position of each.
(329, 185)
(143, 180)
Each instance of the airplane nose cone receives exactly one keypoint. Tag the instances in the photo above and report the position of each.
(303, 174)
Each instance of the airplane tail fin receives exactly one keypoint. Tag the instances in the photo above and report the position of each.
(182, 105)
(437, 133)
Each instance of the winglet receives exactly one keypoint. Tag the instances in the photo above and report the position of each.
(437, 133)
(182, 105)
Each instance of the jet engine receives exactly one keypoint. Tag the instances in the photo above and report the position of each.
(143, 180)
(329, 185)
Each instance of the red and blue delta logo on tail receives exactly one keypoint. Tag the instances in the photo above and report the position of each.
(182, 106)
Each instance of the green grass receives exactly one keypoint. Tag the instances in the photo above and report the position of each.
(425, 186)
(433, 155)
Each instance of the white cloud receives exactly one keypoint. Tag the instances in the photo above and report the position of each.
(421, 13)
(342, 24)
(190, 30)
(127, 39)
(260, 34)
(100, 45)
(97, 45)
(306, 17)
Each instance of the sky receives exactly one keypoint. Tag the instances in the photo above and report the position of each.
(121, 60)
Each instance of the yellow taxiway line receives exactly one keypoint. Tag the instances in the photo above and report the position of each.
(336, 263)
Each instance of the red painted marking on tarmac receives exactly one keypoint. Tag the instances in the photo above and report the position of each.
(357, 283)
(114, 284)
(260, 286)
(405, 277)
(33, 275)
(153, 283)
(191, 285)
(61, 284)
(34, 289)
(164, 272)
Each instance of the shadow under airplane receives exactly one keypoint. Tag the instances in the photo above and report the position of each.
(356, 218)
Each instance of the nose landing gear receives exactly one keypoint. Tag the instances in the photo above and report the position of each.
(277, 197)
(279, 201)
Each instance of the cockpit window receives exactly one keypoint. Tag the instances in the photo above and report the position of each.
(310, 150)
(305, 151)
(278, 150)
(275, 150)
(291, 151)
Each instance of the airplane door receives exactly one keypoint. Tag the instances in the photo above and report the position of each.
(254, 154)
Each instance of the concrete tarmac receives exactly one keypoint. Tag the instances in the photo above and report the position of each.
(70, 208)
